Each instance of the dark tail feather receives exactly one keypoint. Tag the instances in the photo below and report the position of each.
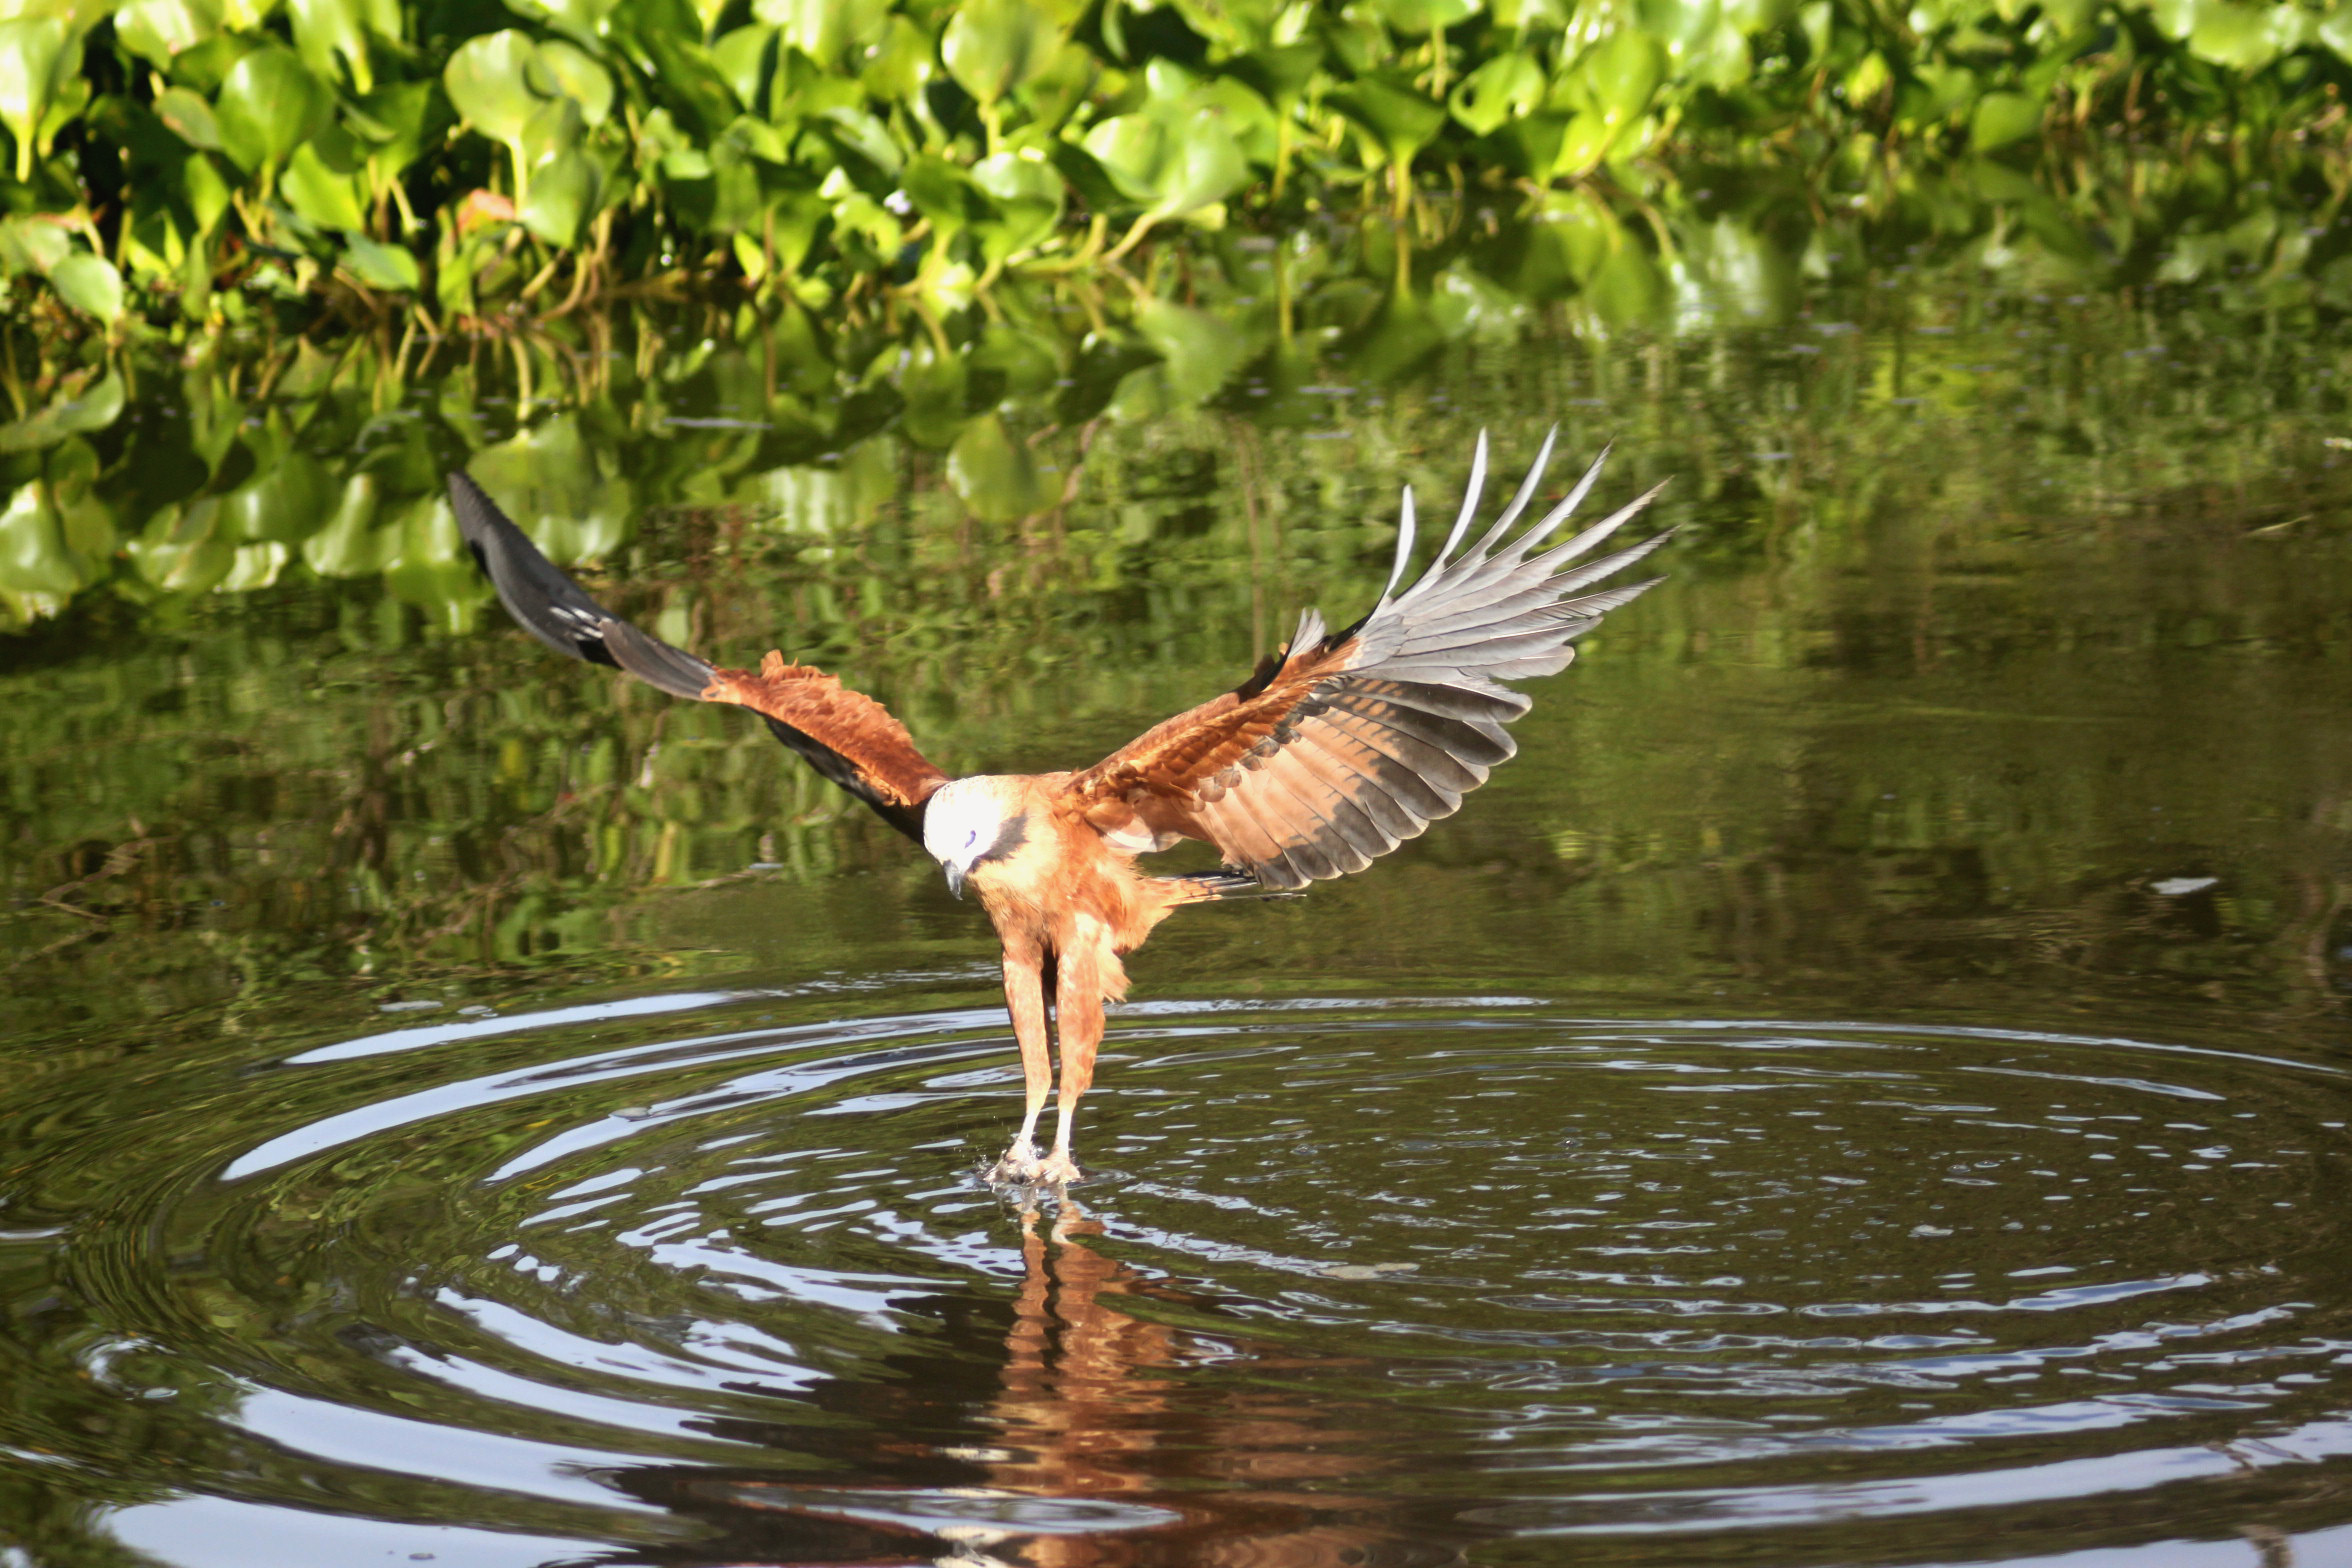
(558, 611)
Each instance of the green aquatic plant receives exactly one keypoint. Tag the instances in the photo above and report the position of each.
(203, 162)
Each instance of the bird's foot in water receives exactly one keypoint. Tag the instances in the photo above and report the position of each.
(1056, 1170)
(1017, 1168)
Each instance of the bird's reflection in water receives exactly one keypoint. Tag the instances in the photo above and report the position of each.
(1089, 1448)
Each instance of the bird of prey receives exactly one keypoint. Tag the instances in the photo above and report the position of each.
(1339, 748)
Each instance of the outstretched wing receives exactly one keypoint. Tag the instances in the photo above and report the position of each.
(1358, 740)
(845, 735)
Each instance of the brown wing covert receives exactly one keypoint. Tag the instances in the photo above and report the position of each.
(1358, 740)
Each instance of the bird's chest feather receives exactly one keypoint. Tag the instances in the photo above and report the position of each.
(1064, 888)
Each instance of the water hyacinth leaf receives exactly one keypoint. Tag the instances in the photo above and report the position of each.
(268, 105)
(1505, 88)
(90, 285)
(2001, 119)
(351, 545)
(1622, 73)
(321, 194)
(331, 31)
(747, 58)
(826, 31)
(32, 244)
(997, 476)
(80, 412)
(159, 30)
(1400, 118)
(181, 551)
(1026, 193)
(1418, 17)
(33, 557)
(994, 47)
(396, 121)
(381, 266)
(487, 84)
(206, 190)
(1279, 72)
(2246, 37)
(563, 197)
(286, 503)
(189, 118)
(32, 53)
(1171, 163)
(573, 72)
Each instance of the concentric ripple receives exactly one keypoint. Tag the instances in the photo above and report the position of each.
(697, 1279)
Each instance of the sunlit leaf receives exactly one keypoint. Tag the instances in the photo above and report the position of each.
(381, 266)
(993, 47)
(1401, 118)
(268, 105)
(1506, 87)
(485, 79)
(32, 55)
(2003, 118)
(562, 197)
(90, 285)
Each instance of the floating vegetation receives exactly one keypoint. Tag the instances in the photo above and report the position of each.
(200, 163)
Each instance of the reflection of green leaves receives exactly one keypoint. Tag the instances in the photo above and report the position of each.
(997, 476)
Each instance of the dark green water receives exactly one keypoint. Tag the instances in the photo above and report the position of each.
(1868, 1085)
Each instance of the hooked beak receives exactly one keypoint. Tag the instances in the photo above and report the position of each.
(955, 879)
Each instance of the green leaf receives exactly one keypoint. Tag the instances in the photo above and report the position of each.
(327, 197)
(381, 266)
(2246, 37)
(286, 503)
(32, 245)
(563, 197)
(1505, 88)
(269, 104)
(1622, 73)
(574, 73)
(351, 545)
(32, 54)
(2003, 118)
(826, 31)
(1171, 163)
(486, 82)
(1401, 118)
(90, 285)
(189, 117)
(328, 30)
(78, 414)
(33, 556)
(996, 475)
(159, 30)
(994, 47)
(1420, 16)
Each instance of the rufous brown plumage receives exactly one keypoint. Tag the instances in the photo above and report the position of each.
(1336, 751)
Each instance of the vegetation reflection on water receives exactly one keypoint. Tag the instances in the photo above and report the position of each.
(458, 1104)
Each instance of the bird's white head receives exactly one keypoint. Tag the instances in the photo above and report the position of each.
(971, 821)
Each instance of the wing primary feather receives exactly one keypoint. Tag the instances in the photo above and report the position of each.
(1471, 493)
(1524, 494)
(1404, 549)
(1567, 507)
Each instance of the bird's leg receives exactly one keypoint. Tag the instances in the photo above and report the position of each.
(1078, 1024)
(1024, 982)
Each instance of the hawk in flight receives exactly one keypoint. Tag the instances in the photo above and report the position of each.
(1338, 749)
